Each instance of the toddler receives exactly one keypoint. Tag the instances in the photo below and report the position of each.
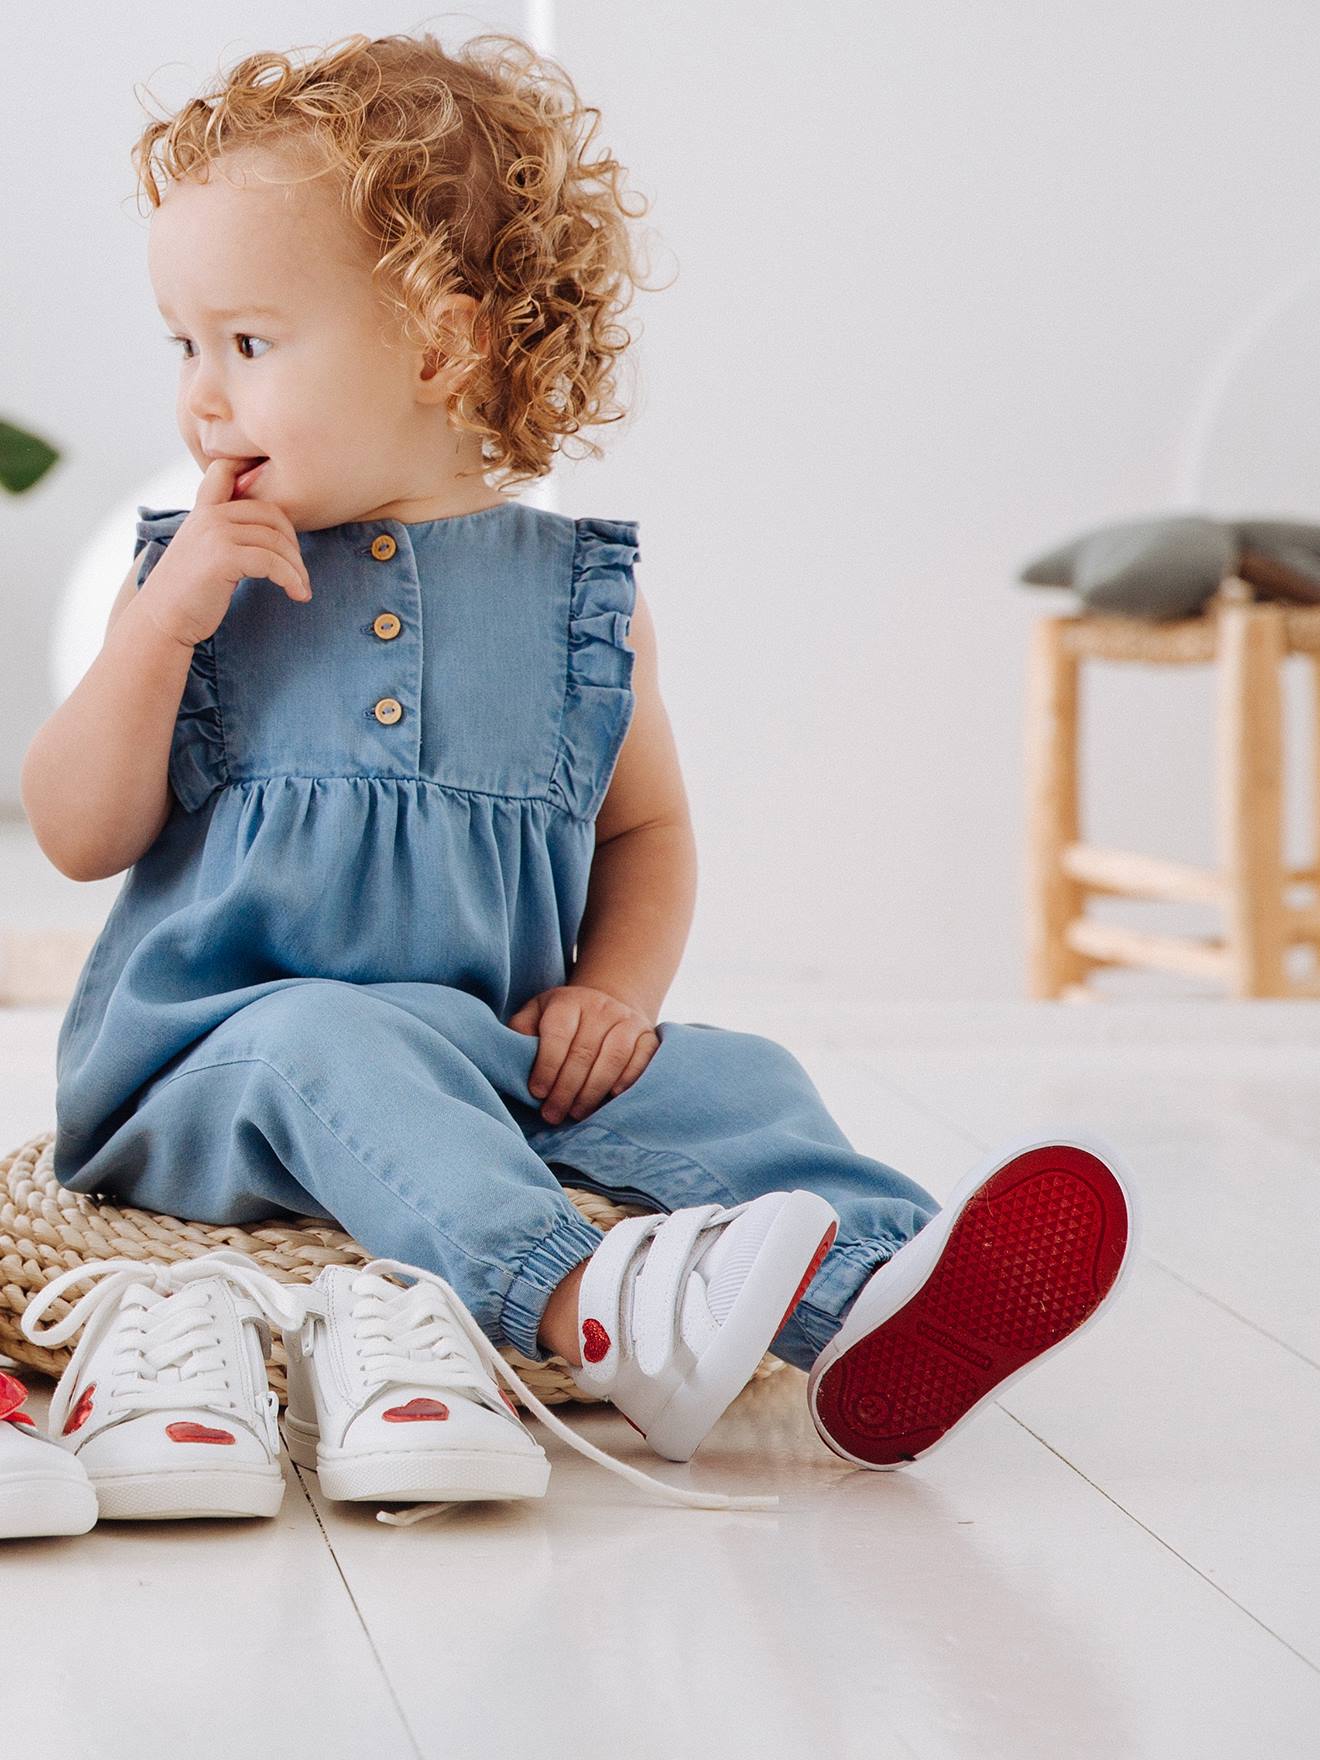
(409, 861)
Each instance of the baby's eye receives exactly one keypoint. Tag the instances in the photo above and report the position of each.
(240, 336)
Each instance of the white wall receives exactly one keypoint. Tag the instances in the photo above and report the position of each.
(953, 281)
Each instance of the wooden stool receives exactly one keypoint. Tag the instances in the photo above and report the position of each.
(1248, 643)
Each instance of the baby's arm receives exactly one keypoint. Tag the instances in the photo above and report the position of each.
(94, 783)
(642, 891)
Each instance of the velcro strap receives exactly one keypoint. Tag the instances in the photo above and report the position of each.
(656, 1305)
(599, 1291)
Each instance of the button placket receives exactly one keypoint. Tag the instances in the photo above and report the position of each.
(387, 710)
(389, 626)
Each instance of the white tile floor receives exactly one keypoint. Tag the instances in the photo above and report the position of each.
(1119, 1558)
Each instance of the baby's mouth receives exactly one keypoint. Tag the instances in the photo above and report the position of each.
(245, 478)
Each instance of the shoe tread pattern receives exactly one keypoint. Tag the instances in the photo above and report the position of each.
(1030, 1258)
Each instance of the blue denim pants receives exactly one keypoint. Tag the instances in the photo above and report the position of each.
(401, 1112)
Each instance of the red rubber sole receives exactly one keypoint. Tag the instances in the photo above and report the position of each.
(1032, 1255)
(810, 1272)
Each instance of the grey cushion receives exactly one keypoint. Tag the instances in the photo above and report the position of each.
(1170, 565)
(1285, 541)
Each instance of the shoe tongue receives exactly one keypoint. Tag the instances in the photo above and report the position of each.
(725, 1263)
(451, 1337)
(153, 1301)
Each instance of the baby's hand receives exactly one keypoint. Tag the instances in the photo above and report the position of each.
(222, 540)
(591, 1043)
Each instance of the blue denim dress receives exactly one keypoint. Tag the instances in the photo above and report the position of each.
(379, 849)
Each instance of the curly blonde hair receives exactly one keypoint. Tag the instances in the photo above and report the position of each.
(466, 174)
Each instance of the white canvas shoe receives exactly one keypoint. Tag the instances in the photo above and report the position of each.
(675, 1311)
(43, 1488)
(389, 1398)
(393, 1397)
(166, 1401)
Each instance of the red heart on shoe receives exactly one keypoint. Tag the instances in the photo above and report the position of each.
(187, 1431)
(415, 1409)
(81, 1412)
(12, 1395)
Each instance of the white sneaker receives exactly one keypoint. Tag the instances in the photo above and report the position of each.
(391, 1397)
(676, 1311)
(166, 1401)
(43, 1488)
(366, 1370)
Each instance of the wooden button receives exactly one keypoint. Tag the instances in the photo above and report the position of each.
(387, 626)
(383, 547)
(388, 710)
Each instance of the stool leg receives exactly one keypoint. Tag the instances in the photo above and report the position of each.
(1251, 653)
(1313, 869)
(1053, 897)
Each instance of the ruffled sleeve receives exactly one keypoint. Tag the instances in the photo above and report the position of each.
(598, 702)
(198, 765)
(154, 530)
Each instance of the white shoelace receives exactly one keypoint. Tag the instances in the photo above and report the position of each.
(174, 1357)
(169, 1354)
(408, 1336)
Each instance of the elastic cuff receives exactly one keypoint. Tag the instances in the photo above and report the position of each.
(569, 1242)
(845, 1270)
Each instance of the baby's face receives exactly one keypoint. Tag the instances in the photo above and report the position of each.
(289, 352)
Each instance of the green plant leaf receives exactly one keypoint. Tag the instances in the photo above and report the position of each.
(24, 459)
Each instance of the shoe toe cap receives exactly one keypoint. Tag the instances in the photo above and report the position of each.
(405, 1419)
(24, 1450)
(178, 1439)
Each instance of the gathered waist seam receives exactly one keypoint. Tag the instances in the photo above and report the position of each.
(426, 782)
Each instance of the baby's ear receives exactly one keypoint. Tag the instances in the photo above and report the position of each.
(458, 327)
(460, 319)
